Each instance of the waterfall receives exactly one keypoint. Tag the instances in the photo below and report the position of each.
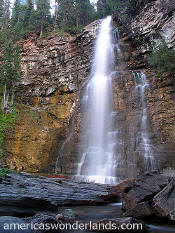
(98, 140)
(145, 143)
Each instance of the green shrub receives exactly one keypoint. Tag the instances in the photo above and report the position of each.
(4, 171)
(162, 59)
(6, 121)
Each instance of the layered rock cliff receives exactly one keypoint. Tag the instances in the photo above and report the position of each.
(153, 22)
(52, 72)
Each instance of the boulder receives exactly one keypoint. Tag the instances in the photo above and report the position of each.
(141, 210)
(164, 202)
(138, 195)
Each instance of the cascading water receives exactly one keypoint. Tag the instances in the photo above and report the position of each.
(145, 142)
(98, 140)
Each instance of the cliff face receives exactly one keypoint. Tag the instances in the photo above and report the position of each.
(154, 22)
(53, 70)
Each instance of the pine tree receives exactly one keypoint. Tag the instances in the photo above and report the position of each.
(109, 7)
(28, 12)
(56, 14)
(15, 13)
(4, 13)
(84, 12)
(67, 14)
(75, 13)
(29, 22)
(1, 11)
(9, 73)
(102, 8)
(115, 5)
(43, 15)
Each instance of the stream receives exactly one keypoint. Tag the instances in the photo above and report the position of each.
(85, 214)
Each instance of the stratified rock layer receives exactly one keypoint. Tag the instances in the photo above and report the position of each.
(52, 71)
(25, 195)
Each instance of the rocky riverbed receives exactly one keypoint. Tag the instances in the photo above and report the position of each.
(37, 199)
(25, 194)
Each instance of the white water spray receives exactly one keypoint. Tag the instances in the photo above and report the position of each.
(98, 140)
(147, 152)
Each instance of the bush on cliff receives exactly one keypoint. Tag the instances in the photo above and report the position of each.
(162, 58)
(6, 121)
(4, 171)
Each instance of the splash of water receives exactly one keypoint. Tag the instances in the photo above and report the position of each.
(97, 150)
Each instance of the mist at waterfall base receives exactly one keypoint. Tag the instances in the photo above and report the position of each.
(97, 147)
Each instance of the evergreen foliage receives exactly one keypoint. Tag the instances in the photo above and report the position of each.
(43, 15)
(162, 58)
(4, 171)
(10, 64)
(29, 16)
(73, 14)
(109, 7)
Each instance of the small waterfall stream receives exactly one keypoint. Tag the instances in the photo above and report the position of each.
(98, 140)
(144, 141)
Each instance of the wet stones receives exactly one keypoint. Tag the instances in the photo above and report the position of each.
(26, 195)
(142, 197)
(164, 202)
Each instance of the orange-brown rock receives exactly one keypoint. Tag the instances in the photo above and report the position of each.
(34, 142)
(52, 72)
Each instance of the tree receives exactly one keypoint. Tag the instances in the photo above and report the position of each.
(29, 16)
(56, 14)
(84, 12)
(43, 15)
(67, 14)
(73, 14)
(109, 7)
(1, 11)
(4, 13)
(115, 5)
(15, 13)
(9, 73)
(102, 8)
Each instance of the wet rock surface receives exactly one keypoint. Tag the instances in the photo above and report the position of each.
(150, 195)
(164, 202)
(25, 195)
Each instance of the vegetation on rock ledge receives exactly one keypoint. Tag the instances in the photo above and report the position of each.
(162, 59)
(6, 121)
(4, 171)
